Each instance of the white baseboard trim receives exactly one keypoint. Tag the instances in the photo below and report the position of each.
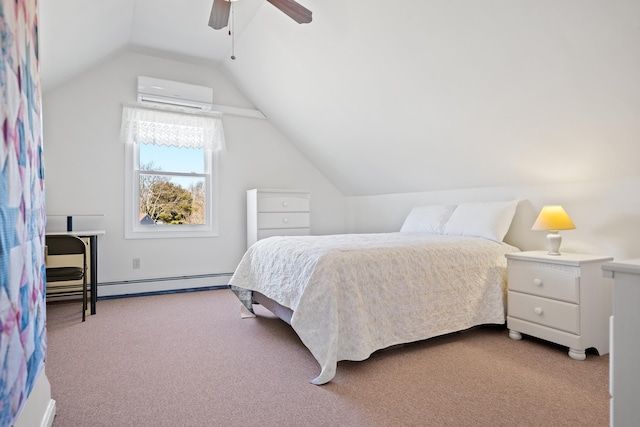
(142, 286)
(39, 409)
(50, 414)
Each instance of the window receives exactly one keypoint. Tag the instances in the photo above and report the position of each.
(170, 171)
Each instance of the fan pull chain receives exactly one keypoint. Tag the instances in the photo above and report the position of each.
(232, 31)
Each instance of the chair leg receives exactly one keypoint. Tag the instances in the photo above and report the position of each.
(84, 298)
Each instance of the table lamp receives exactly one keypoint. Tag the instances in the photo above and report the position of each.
(553, 219)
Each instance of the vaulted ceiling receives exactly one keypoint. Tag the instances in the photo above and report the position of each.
(418, 95)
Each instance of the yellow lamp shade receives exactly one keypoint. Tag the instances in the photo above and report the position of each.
(553, 218)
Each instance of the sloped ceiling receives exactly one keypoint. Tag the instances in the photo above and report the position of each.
(388, 97)
(78, 34)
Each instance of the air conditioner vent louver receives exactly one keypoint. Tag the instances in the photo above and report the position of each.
(170, 92)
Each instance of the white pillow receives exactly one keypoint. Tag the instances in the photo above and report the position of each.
(427, 219)
(490, 220)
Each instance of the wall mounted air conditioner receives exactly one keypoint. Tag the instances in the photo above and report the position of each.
(170, 92)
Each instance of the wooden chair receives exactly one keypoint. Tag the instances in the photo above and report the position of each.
(68, 245)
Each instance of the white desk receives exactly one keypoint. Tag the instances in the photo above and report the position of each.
(92, 235)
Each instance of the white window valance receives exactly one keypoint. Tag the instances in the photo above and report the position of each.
(171, 126)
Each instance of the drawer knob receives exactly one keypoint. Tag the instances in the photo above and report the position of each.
(537, 282)
(285, 220)
(537, 310)
(285, 204)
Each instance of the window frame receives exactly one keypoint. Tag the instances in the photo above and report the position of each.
(135, 230)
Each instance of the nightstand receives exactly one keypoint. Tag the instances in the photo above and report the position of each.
(563, 299)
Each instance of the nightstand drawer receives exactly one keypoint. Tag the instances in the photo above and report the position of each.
(283, 204)
(283, 220)
(263, 234)
(544, 283)
(551, 313)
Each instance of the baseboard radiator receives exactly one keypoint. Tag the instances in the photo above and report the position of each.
(163, 285)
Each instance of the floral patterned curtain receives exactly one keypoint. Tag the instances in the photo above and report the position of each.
(22, 209)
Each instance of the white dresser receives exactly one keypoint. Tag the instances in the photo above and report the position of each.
(624, 361)
(562, 299)
(277, 213)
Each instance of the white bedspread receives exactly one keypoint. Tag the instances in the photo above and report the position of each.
(357, 293)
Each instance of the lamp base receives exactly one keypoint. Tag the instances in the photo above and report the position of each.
(553, 243)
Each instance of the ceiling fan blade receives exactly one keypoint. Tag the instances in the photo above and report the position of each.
(294, 10)
(219, 14)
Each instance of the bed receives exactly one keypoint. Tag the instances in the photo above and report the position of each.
(349, 295)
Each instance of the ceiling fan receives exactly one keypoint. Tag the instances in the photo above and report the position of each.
(221, 8)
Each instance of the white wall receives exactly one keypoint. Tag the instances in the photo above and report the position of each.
(426, 95)
(606, 213)
(84, 172)
(39, 409)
